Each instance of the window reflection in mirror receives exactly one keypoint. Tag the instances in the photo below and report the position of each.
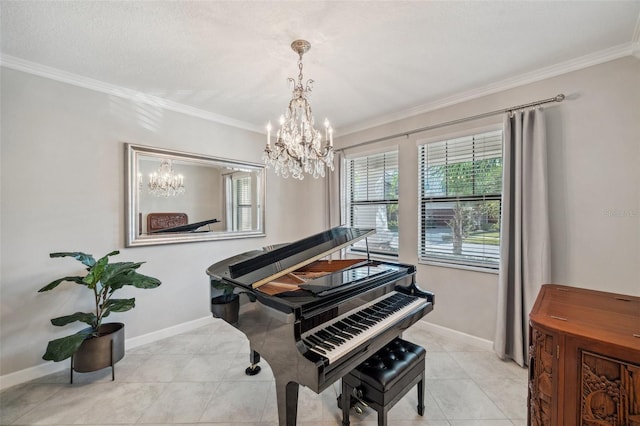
(175, 197)
(240, 191)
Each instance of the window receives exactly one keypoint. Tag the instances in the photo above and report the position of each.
(242, 202)
(460, 199)
(239, 205)
(372, 200)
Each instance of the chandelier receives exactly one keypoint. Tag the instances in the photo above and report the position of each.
(164, 182)
(299, 147)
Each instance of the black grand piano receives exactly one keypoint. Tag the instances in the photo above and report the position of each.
(314, 319)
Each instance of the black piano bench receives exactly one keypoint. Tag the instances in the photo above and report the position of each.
(384, 378)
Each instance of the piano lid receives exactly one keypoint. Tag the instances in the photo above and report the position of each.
(258, 267)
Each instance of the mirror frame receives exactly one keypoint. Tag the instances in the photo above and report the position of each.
(133, 153)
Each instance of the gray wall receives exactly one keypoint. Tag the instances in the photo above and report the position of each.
(63, 190)
(594, 187)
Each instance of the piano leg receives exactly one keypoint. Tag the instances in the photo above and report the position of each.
(254, 368)
(345, 403)
(287, 396)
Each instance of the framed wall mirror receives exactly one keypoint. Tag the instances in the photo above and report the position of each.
(179, 197)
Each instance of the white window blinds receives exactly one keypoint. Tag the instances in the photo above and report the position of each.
(460, 200)
(242, 203)
(372, 200)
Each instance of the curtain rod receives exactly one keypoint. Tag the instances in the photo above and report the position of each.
(557, 98)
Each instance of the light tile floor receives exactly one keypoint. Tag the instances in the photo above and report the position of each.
(198, 378)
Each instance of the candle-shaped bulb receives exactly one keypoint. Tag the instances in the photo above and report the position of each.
(330, 136)
(326, 131)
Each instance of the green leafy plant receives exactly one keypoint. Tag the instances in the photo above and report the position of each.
(228, 293)
(227, 289)
(103, 279)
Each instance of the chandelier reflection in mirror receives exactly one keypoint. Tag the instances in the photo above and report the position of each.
(165, 182)
(299, 146)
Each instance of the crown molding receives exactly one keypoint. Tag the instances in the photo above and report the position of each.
(596, 58)
(56, 74)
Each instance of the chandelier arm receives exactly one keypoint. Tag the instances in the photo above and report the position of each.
(290, 155)
(323, 152)
(293, 157)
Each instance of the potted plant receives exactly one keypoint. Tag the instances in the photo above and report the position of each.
(226, 306)
(101, 344)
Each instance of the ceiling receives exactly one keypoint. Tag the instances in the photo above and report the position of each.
(372, 61)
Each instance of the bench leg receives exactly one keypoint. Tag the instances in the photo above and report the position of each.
(346, 403)
(421, 396)
(382, 416)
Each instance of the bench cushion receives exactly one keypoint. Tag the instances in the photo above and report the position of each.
(389, 364)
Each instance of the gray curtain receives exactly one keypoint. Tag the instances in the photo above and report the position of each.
(333, 200)
(524, 252)
(334, 193)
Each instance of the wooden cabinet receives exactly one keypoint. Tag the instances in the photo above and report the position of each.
(584, 358)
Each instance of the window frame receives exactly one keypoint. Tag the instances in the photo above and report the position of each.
(424, 200)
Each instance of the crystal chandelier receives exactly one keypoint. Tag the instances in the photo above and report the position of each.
(164, 182)
(299, 147)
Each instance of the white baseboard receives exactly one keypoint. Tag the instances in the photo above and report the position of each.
(134, 342)
(31, 373)
(459, 336)
(47, 368)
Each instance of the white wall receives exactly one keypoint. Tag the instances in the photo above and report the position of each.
(63, 190)
(594, 187)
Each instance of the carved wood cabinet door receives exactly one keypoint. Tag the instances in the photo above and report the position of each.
(543, 370)
(609, 391)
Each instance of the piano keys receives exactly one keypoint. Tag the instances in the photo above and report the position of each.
(338, 337)
(314, 319)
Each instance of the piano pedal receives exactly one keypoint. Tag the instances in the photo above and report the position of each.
(360, 404)
(252, 370)
(356, 401)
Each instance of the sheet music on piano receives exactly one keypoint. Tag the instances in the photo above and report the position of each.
(314, 319)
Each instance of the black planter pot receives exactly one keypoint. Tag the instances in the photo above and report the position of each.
(226, 307)
(101, 351)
